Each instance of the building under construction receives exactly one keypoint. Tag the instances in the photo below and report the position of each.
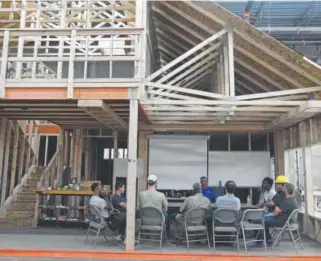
(83, 83)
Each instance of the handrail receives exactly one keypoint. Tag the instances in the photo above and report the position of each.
(16, 190)
(52, 163)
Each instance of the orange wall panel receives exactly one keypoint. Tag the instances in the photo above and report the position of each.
(36, 93)
(110, 93)
(46, 129)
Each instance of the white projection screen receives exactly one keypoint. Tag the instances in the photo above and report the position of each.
(178, 160)
(246, 168)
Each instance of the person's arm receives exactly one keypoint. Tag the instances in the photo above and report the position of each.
(238, 205)
(277, 211)
(165, 204)
(183, 207)
(261, 201)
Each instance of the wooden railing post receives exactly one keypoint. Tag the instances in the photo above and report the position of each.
(14, 156)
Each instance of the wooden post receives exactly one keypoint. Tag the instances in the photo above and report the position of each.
(2, 145)
(279, 153)
(226, 69)
(21, 157)
(131, 175)
(14, 156)
(72, 153)
(46, 151)
(60, 167)
(6, 164)
(231, 61)
(115, 134)
(66, 148)
(87, 158)
(29, 147)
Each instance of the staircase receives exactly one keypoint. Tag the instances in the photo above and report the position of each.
(21, 210)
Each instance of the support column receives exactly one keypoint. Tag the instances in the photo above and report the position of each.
(21, 157)
(3, 129)
(14, 156)
(87, 158)
(6, 163)
(226, 68)
(131, 175)
(279, 153)
(115, 134)
(231, 61)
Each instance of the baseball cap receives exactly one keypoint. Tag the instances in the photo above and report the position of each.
(152, 178)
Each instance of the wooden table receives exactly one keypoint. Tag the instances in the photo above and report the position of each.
(69, 192)
(46, 192)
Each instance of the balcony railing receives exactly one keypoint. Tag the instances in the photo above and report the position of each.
(69, 54)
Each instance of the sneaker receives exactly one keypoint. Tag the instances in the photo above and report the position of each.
(260, 244)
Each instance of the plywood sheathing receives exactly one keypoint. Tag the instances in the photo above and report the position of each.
(257, 36)
(264, 39)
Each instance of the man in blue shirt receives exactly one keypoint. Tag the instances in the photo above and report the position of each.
(120, 203)
(207, 191)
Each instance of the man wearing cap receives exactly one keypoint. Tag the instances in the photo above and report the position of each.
(151, 197)
(197, 201)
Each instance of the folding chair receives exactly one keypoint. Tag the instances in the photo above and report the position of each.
(195, 225)
(97, 224)
(225, 224)
(152, 225)
(246, 225)
(290, 226)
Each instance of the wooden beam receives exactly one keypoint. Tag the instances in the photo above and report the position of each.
(3, 129)
(203, 128)
(186, 55)
(21, 157)
(278, 93)
(14, 156)
(6, 164)
(261, 75)
(221, 109)
(101, 104)
(230, 51)
(188, 91)
(225, 102)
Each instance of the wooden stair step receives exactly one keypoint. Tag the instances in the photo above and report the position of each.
(32, 181)
(16, 221)
(23, 213)
(23, 204)
(26, 196)
(29, 188)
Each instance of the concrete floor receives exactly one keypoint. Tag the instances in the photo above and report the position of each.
(73, 239)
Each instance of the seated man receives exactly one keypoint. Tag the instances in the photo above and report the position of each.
(103, 206)
(96, 200)
(268, 192)
(279, 197)
(151, 197)
(229, 201)
(206, 190)
(282, 212)
(119, 203)
(196, 201)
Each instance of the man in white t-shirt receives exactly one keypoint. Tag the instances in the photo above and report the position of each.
(97, 201)
(267, 193)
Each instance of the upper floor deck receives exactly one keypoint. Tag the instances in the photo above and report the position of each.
(69, 44)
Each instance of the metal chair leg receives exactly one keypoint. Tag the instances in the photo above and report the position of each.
(208, 240)
(186, 233)
(237, 241)
(87, 235)
(97, 235)
(244, 239)
(161, 238)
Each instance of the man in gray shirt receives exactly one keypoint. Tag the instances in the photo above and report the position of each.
(151, 197)
(229, 201)
(197, 201)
